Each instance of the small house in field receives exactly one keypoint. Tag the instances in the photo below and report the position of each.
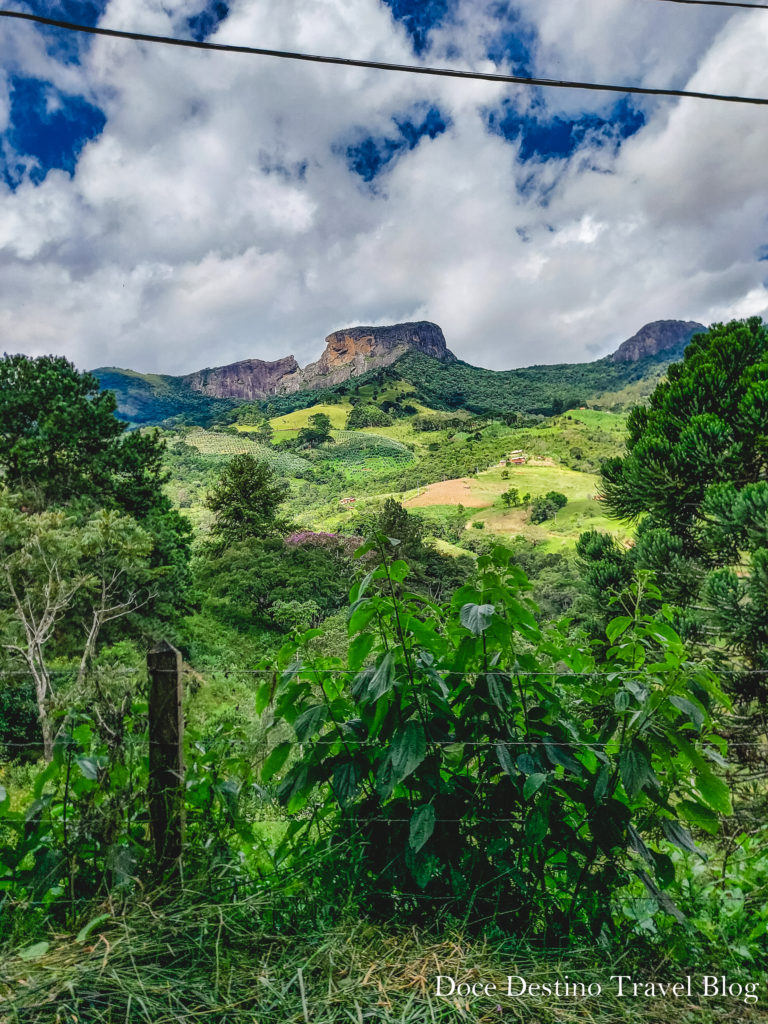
(517, 458)
(347, 502)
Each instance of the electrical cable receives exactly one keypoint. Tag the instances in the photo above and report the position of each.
(380, 65)
(718, 3)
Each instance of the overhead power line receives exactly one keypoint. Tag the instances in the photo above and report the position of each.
(718, 3)
(379, 65)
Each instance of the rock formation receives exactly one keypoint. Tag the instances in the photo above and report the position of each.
(354, 351)
(250, 378)
(348, 353)
(660, 336)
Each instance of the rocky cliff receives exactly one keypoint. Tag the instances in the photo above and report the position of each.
(250, 378)
(660, 336)
(355, 350)
(348, 353)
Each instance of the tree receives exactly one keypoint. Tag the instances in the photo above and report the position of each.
(511, 497)
(246, 500)
(60, 440)
(547, 506)
(696, 471)
(264, 432)
(61, 446)
(318, 431)
(58, 576)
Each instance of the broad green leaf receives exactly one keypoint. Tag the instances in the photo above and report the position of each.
(310, 722)
(522, 618)
(637, 844)
(422, 826)
(358, 591)
(276, 760)
(453, 753)
(622, 700)
(601, 786)
(699, 815)
(47, 775)
(361, 615)
(359, 649)
(498, 690)
(476, 617)
(558, 754)
(505, 759)
(693, 711)
(385, 777)
(664, 634)
(421, 865)
(228, 792)
(536, 827)
(617, 626)
(34, 952)
(533, 784)
(465, 595)
(85, 931)
(263, 696)
(525, 763)
(398, 570)
(408, 750)
(714, 792)
(383, 678)
(681, 837)
(635, 770)
(89, 766)
(346, 782)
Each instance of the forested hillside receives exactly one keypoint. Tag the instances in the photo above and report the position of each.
(152, 399)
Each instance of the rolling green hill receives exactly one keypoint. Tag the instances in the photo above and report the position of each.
(145, 399)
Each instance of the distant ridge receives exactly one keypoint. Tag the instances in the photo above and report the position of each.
(416, 352)
(348, 353)
(654, 338)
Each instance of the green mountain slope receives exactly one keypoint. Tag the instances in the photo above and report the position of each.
(145, 399)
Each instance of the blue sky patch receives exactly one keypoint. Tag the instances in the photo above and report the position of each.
(48, 128)
(549, 137)
(62, 45)
(370, 155)
(762, 253)
(513, 41)
(205, 22)
(419, 17)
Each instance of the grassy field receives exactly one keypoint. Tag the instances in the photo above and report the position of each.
(481, 496)
(300, 418)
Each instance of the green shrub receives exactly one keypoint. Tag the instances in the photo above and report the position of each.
(481, 767)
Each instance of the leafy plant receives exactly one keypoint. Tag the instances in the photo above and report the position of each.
(486, 768)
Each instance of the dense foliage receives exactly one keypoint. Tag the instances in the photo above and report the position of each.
(695, 477)
(471, 761)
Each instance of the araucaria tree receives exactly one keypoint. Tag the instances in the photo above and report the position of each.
(695, 478)
(246, 500)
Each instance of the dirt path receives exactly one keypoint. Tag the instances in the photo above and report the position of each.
(450, 492)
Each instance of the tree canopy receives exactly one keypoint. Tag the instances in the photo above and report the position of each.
(695, 476)
(246, 500)
(60, 440)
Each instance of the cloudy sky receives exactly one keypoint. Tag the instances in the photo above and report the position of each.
(168, 209)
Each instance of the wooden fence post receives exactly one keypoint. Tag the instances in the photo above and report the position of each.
(166, 754)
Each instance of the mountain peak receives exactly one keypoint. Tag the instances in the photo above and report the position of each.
(656, 337)
(348, 353)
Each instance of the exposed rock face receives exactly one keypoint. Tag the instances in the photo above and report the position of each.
(250, 378)
(355, 350)
(348, 353)
(660, 336)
